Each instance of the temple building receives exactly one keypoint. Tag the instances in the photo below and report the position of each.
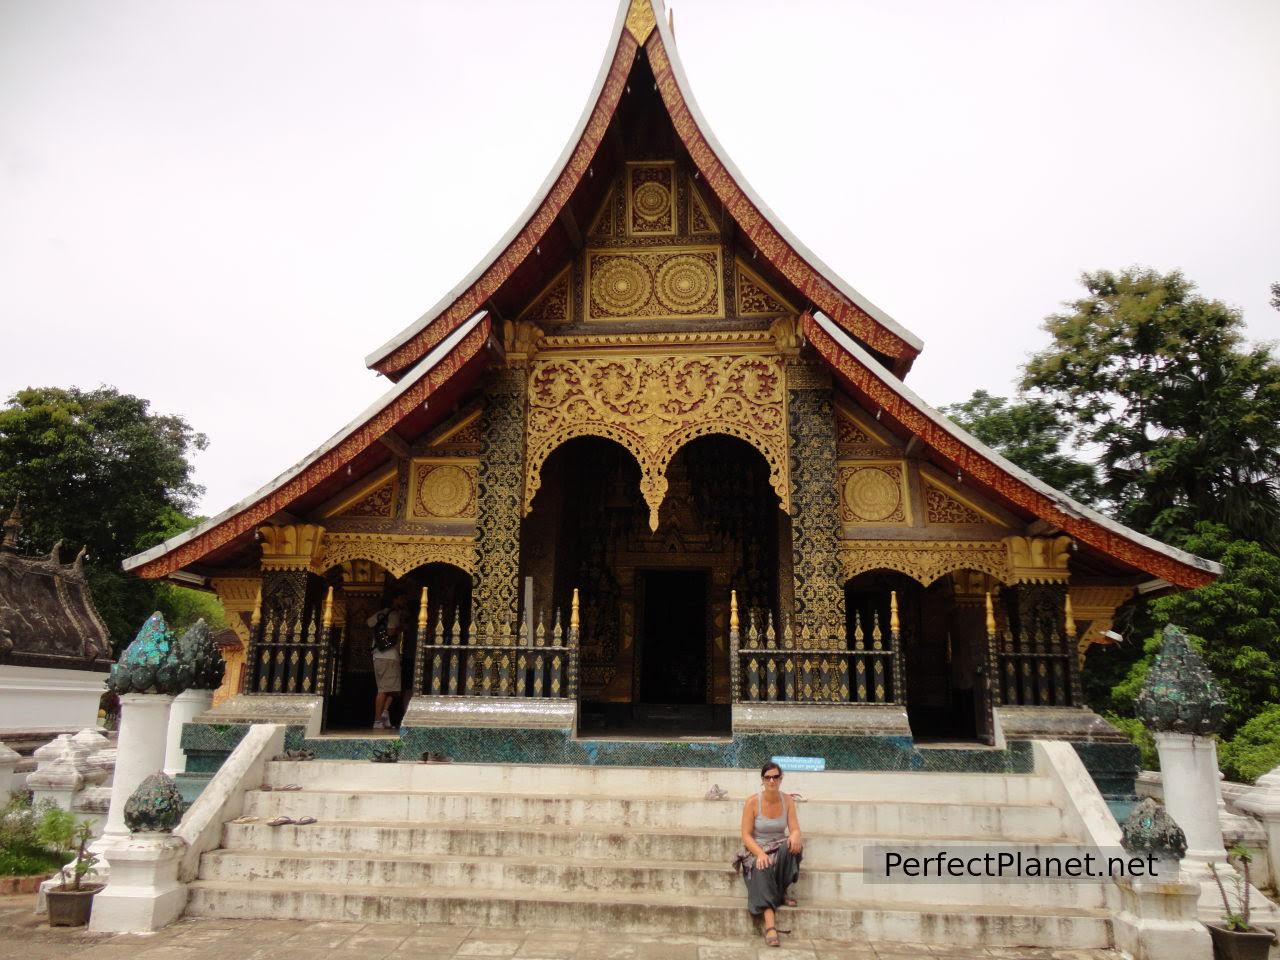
(651, 475)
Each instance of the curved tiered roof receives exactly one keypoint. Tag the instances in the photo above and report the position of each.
(444, 350)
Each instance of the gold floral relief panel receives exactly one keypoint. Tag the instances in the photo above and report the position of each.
(654, 404)
(654, 283)
(651, 199)
(443, 489)
(874, 492)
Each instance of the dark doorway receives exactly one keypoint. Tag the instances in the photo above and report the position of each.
(673, 636)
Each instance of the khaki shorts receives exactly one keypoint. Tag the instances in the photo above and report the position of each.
(386, 671)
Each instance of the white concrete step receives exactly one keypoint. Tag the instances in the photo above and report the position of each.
(693, 881)
(478, 839)
(976, 923)
(641, 783)
(923, 818)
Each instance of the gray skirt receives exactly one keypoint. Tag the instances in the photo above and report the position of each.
(768, 887)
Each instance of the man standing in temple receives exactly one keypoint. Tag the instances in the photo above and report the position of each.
(388, 637)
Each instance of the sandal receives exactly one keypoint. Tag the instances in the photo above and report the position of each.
(304, 821)
(290, 786)
(790, 902)
(279, 821)
(771, 937)
(245, 820)
(266, 786)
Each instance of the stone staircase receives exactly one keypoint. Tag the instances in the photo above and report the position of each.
(634, 849)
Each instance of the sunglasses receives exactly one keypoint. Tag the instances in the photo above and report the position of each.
(773, 776)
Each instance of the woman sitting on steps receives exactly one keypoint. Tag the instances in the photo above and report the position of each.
(771, 861)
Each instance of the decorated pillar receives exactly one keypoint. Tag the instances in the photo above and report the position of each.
(496, 584)
(815, 518)
(146, 678)
(1183, 706)
(143, 892)
(202, 663)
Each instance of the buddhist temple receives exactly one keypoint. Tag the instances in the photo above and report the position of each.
(651, 475)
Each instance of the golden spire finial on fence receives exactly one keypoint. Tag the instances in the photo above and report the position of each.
(574, 621)
(894, 626)
(733, 610)
(326, 619)
(991, 616)
(1071, 620)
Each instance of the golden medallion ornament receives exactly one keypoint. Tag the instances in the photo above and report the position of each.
(873, 495)
(620, 285)
(445, 491)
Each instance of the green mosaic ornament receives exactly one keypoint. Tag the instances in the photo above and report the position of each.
(155, 807)
(200, 666)
(150, 663)
(1150, 829)
(1180, 694)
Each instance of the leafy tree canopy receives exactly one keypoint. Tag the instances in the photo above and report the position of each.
(1185, 414)
(98, 468)
(1031, 433)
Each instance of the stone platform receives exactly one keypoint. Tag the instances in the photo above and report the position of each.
(635, 851)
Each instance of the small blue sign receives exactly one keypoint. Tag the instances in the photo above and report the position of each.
(804, 764)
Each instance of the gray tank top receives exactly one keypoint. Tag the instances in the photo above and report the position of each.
(770, 828)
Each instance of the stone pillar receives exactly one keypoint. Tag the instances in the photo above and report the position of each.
(144, 728)
(204, 667)
(496, 584)
(8, 761)
(815, 507)
(186, 707)
(143, 893)
(59, 775)
(1189, 770)
(1181, 704)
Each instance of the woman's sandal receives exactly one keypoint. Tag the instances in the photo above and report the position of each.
(772, 940)
(790, 902)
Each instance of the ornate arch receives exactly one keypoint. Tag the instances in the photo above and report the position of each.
(652, 405)
(924, 560)
(399, 553)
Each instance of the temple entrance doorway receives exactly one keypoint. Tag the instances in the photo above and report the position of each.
(671, 652)
(654, 603)
(943, 647)
(365, 589)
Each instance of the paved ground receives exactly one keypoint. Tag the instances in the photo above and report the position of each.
(23, 935)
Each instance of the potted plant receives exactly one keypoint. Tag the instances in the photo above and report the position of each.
(70, 904)
(1235, 938)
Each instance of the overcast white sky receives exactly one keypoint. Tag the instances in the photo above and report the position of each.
(225, 206)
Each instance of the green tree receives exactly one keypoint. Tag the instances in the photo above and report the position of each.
(1185, 414)
(98, 468)
(1031, 433)
(1234, 622)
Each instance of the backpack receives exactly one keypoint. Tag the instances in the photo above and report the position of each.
(382, 639)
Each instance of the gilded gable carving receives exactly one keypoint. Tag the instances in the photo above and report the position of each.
(859, 437)
(552, 304)
(378, 503)
(873, 493)
(652, 405)
(701, 221)
(655, 283)
(756, 298)
(651, 199)
(602, 227)
(443, 490)
(941, 507)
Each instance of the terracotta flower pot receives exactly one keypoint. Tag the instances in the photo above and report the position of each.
(71, 908)
(1239, 945)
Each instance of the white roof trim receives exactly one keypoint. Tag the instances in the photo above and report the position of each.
(1061, 500)
(420, 369)
(677, 70)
